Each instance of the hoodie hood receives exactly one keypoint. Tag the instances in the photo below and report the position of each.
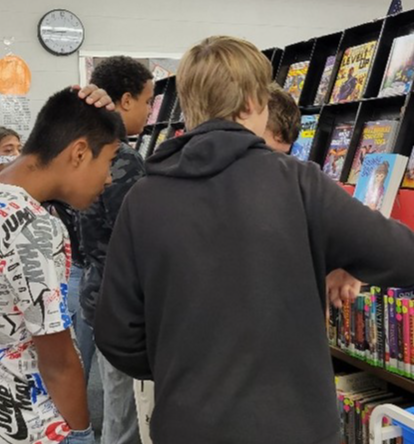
(206, 151)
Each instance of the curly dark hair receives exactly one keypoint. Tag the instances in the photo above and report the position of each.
(284, 115)
(120, 74)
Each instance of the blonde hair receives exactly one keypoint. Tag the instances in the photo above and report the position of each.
(217, 77)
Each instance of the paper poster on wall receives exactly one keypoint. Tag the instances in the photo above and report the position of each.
(15, 114)
(160, 65)
(15, 75)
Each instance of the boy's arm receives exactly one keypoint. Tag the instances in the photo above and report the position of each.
(41, 297)
(340, 286)
(63, 376)
(120, 331)
(361, 241)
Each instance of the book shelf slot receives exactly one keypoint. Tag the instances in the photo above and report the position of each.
(324, 47)
(274, 56)
(394, 26)
(355, 36)
(387, 108)
(299, 52)
(392, 378)
(331, 115)
(405, 138)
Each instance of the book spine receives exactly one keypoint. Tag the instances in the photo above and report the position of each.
(380, 330)
(360, 327)
(369, 348)
(393, 333)
(386, 331)
(353, 346)
(406, 338)
(399, 328)
(411, 328)
(332, 325)
(346, 325)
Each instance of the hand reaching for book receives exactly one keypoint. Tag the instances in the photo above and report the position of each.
(340, 285)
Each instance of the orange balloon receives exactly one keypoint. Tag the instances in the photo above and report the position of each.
(15, 76)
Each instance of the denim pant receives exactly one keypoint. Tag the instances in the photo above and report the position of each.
(80, 437)
(120, 424)
(83, 332)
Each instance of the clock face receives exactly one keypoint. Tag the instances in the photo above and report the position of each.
(61, 32)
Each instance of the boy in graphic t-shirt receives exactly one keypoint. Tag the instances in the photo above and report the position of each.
(67, 158)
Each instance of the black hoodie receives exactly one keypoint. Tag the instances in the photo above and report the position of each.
(214, 287)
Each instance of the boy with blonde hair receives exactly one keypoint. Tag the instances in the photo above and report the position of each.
(215, 277)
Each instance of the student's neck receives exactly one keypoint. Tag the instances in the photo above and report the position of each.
(25, 173)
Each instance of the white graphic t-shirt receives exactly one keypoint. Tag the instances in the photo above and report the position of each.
(34, 269)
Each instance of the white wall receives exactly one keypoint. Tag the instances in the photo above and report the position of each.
(171, 26)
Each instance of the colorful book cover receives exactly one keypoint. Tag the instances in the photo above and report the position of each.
(377, 137)
(399, 329)
(353, 72)
(336, 155)
(399, 72)
(408, 179)
(379, 181)
(325, 81)
(406, 337)
(294, 81)
(302, 146)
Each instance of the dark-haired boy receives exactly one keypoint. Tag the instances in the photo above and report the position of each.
(67, 157)
(130, 86)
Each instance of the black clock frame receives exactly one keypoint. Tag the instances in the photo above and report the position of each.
(51, 51)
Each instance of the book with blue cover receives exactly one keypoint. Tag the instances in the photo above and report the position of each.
(302, 146)
(379, 181)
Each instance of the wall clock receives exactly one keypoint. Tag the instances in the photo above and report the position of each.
(61, 32)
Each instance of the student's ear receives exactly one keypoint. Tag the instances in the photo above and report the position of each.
(126, 101)
(79, 152)
(248, 111)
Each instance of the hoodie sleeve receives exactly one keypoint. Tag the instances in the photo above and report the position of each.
(119, 322)
(369, 246)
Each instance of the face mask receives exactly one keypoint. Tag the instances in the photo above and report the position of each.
(7, 159)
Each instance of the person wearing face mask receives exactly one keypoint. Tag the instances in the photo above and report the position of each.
(10, 146)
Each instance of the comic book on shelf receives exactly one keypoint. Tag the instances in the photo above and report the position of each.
(408, 180)
(302, 146)
(352, 75)
(377, 137)
(399, 72)
(294, 81)
(336, 154)
(325, 81)
(379, 181)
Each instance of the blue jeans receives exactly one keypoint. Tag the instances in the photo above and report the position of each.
(83, 332)
(120, 413)
(80, 437)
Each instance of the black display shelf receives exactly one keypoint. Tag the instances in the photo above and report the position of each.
(399, 381)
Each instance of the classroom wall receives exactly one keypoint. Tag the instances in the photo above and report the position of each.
(165, 26)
